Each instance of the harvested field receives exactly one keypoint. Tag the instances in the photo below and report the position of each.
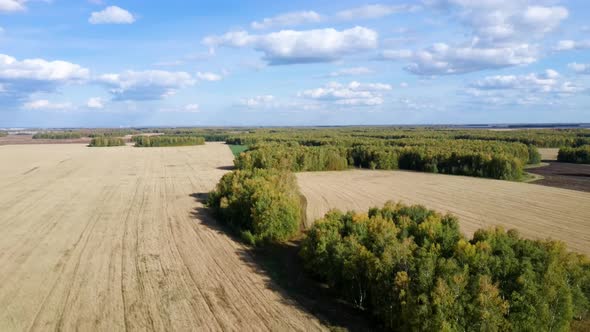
(110, 240)
(564, 175)
(548, 154)
(536, 211)
(28, 139)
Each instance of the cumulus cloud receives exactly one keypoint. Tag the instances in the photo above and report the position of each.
(443, 59)
(112, 15)
(504, 33)
(290, 46)
(145, 85)
(12, 5)
(208, 76)
(354, 71)
(494, 21)
(258, 101)
(19, 79)
(44, 104)
(353, 94)
(533, 88)
(287, 20)
(95, 103)
(580, 68)
(40, 70)
(567, 45)
(373, 11)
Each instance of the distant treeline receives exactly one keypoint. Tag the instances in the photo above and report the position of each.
(396, 136)
(210, 134)
(58, 135)
(414, 271)
(161, 141)
(498, 160)
(579, 155)
(106, 141)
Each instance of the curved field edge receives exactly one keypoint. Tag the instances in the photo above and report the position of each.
(537, 212)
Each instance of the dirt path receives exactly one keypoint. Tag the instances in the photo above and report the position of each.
(108, 239)
(536, 211)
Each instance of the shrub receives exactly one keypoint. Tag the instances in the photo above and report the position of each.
(3, 134)
(260, 205)
(534, 155)
(413, 269)
(106, 141)
(579, 155)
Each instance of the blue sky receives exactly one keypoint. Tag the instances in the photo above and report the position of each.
(191, 63)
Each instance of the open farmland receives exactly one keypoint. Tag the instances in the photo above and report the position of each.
(109, 239)
(536, 211)
(549, 154)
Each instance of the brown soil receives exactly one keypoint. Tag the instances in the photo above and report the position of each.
(564, 175)
(536, 211)
(112, 239)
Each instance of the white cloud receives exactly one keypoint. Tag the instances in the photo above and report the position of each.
(567, 45)
(112, 15)
(146, 85)
(504, 33)
(207, 76)
(373, 11)
(290, 46)
(192, 108)
(40, 70)
(580, 68)
(494, 21)
(353, 94)
(528, 89)
(443, 59)
(258, 101)
(288, 20)
(44, 104)
(95, 102)
(19, 79)
(351, 72)
(12, 5)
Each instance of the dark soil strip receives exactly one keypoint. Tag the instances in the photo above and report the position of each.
(564, 175)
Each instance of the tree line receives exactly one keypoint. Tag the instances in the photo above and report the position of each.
(57, 135)
(412, 269)
(105, 141)
(162, 141)
(578, 155)
(323, 136)
(496, 160)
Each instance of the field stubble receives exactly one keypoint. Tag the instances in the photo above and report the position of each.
(109, 239)
(535, 211)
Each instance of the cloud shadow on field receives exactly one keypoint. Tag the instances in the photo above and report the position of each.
(282, 271)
